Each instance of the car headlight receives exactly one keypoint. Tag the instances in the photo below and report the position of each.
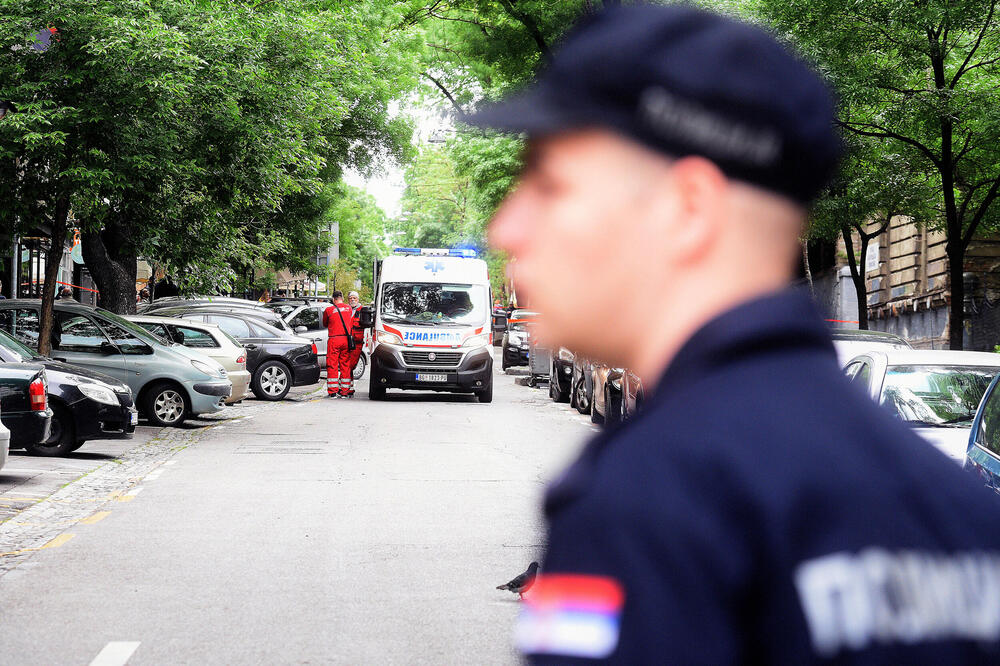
(566, 355)
(477, 341)
(385, 337)
(100, 394)
(514, 339)
(206, 368)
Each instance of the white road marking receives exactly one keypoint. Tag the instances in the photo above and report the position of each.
(115, 653)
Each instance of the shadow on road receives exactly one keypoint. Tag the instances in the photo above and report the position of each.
(409, 396)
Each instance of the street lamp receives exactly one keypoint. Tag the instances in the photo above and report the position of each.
(5, 107)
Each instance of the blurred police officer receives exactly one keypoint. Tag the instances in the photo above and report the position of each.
(759, 509)
(338, 319)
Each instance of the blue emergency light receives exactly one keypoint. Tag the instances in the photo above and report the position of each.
(436, 252)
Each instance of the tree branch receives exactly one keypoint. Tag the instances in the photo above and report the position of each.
(883, 133)
(461, 111)
(529, 24)
(975, 47)
(980, 213)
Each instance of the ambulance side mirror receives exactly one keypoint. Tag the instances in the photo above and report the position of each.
(367, 317)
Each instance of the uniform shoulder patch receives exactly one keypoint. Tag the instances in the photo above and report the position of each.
(571, 615)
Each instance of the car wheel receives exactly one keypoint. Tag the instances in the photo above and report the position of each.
(272, 381)
(63, 437)
(595, 416)
(582, 403)
(486, 395)
(359, 369)
(612, 405)
(503, 360)
(165, 404)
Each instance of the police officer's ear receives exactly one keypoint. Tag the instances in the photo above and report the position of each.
(696, 191)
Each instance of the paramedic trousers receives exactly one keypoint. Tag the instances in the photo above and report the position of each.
(355, 356)
(338, 367)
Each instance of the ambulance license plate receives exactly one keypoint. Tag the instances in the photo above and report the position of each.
(432, 378)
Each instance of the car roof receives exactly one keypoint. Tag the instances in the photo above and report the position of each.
(153, 319)
(935, 357)
(857, 335)
(66, 305)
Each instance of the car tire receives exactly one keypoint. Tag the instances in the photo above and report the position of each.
(359, 369)
(580, 395)
(271, 381)
(486, 395)
(556, 391)
(612, 406)
(595, 416)
(375, 389)
(503, 361)
(63, 438)
(165, 404)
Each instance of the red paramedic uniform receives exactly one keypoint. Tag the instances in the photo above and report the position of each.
(359, 338)
(338, 357)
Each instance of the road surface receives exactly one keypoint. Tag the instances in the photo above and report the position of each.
(308, 531)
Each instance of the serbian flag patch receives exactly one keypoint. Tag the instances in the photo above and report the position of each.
(571, 615)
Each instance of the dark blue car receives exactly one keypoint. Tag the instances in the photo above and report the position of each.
(983, 453)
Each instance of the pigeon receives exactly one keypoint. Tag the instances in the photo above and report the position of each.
(522, 583)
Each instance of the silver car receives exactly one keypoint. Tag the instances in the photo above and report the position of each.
(169, 382)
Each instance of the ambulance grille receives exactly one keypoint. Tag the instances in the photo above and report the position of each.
(423, 359)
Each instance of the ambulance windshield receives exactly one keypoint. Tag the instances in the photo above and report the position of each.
(434, 303)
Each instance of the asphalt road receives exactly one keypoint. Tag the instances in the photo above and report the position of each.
(308, 531)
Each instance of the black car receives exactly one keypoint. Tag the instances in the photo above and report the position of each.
(85, 404)
(515, 344)
(266, 315)
(276, 359)
(561, 375)
(24, 408)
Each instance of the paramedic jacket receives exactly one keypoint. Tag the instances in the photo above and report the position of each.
(762, 509)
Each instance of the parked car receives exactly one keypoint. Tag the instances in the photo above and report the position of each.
(983, 448)
(169, 382)
(935, 392)
(207, 339)
(607, 403)
(561, 375)
(305, 318)
(582, 385)
(4, 441)
(499, 326)
(85, 405)
(515, 344)
(852, 342)
(277, 360)
(175, 301)
(263, 314)
(632, 394)
(24, 408)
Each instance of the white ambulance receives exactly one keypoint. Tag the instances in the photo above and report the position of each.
(432, 324)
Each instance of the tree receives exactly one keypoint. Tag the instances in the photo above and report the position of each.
(923, 78)
(872, 187)
(194, 134)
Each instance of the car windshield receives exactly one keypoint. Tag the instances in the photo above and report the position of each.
(519, 320)
(133, 328)
(17, 347)
(934, 395)
(281, 309)
(434, 303)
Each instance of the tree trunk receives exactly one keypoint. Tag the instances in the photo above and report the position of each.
(956, 311)
(857, 277)
(53, 258)
(805, 266)
(112, 262)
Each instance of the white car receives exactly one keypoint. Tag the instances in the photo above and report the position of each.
(850, 342)
(935, 392)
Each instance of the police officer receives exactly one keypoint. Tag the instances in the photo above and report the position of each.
(338, 319)
(760, 508)
(354, 300)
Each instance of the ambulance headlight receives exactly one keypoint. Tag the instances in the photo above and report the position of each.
(477, 341)
(387, 338)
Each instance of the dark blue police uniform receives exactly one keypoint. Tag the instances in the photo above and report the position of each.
(762, 509)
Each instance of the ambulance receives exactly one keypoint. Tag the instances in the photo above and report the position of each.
(432, 323)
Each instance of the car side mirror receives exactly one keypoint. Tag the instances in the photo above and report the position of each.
(301, 329)
(108, 348)
(367, 317)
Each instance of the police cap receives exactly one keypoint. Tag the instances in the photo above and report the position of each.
(686, 82)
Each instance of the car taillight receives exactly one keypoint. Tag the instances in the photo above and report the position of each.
(241, 360)
(36, 393)
(315, 350)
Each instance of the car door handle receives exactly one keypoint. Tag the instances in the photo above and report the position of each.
(250, 347)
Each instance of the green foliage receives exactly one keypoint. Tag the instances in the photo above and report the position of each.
(363, 227)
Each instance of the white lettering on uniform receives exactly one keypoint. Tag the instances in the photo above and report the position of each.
(852, 601)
